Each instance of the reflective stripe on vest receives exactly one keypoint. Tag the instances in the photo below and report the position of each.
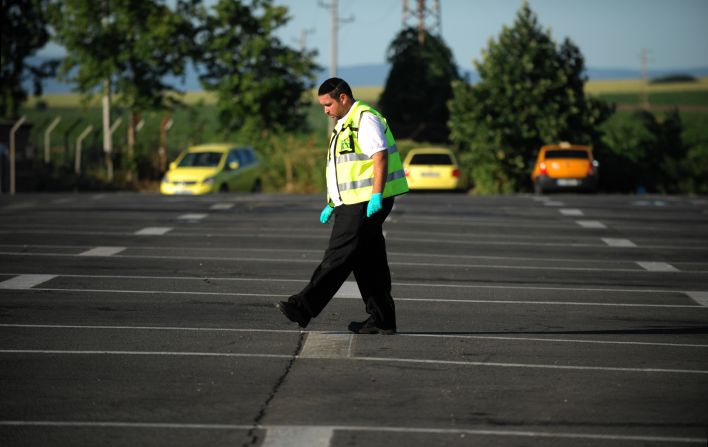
(355, 170)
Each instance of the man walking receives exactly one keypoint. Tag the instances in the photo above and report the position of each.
(364, 173)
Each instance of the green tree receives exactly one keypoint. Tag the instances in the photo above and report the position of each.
(259, 82)
(418, 87)
(645, 152)
(530, 93)
(131, 46)
(24, 32)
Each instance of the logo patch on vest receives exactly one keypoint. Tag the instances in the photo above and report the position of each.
(346, 146)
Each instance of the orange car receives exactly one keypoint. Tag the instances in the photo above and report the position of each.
(564, 166)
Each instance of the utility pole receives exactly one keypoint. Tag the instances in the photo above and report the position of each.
(303, 38)
(336, 20)
(644, 61)
(333, 51)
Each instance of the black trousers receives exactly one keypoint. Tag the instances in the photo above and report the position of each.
(356, 245)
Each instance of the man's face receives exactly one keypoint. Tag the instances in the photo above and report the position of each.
(335, 107)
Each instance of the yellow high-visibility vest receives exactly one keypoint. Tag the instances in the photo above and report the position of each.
(354, 169)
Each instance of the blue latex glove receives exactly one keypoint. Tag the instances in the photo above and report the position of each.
(375, 205)
(326, 214)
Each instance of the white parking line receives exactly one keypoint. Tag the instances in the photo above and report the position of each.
(462, 363)
(222, 206)
(193, 217)
(553, 203)
(571, 212)
(657, 266)
(63, 200)
(424, 300)
(426, 265)
(103, 251)
(613, 242)
(25, 281)
(399, 334)
(594, 224)
(395, 284)
(153, 231)
(362, 428)
(288, 436)
(142, 353)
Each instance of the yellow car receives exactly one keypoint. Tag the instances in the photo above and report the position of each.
(433, 168)
(564, 166)
(213, 168)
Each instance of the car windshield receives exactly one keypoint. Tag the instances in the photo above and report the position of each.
(200, 159)
(431, 159)
(568, 153)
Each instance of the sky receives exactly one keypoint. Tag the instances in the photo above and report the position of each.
(609, 33)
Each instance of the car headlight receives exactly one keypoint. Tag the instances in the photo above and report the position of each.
(165, 179)
(209, 180)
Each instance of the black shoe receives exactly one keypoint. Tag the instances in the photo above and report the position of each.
(369, 326)
(293, 312)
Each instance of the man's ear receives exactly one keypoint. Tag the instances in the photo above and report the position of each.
(343, 98)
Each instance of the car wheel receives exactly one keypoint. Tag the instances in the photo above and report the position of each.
(224, 188)
(257, 186)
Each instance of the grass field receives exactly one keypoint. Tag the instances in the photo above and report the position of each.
(199, 123)
(619, 91)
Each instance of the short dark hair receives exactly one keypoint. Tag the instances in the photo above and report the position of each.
(334, 87)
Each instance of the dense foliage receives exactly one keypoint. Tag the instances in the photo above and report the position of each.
(258, 80)
(24, 32)
(135, 45)
(414, 99)
(531, 93)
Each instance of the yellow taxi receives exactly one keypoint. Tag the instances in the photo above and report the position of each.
(212, 168)
(433, 168)
(564, 166)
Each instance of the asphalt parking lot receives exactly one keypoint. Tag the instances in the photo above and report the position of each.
(136, 319)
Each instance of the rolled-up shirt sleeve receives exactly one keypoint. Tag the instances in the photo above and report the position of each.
(372, 134)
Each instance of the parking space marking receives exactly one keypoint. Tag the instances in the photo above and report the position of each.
(411, 264)
(142, 353)
(614, 242)
(699, 297)
(20, 206)
(594, 224)
(392, 360)
(327, 345)
(62, 200)
(553, 203)
(349, 289)
(195, 217)
(657, 266)
(571, 212)
(222, 206)
(153, 231)
(424, 300)
(103, 251)
(396, 284)
(356, 428)
(399, 334)
(530, 365)
(25, 281)
(288, 436)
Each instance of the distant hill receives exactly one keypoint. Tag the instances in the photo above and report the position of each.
(374, 75)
